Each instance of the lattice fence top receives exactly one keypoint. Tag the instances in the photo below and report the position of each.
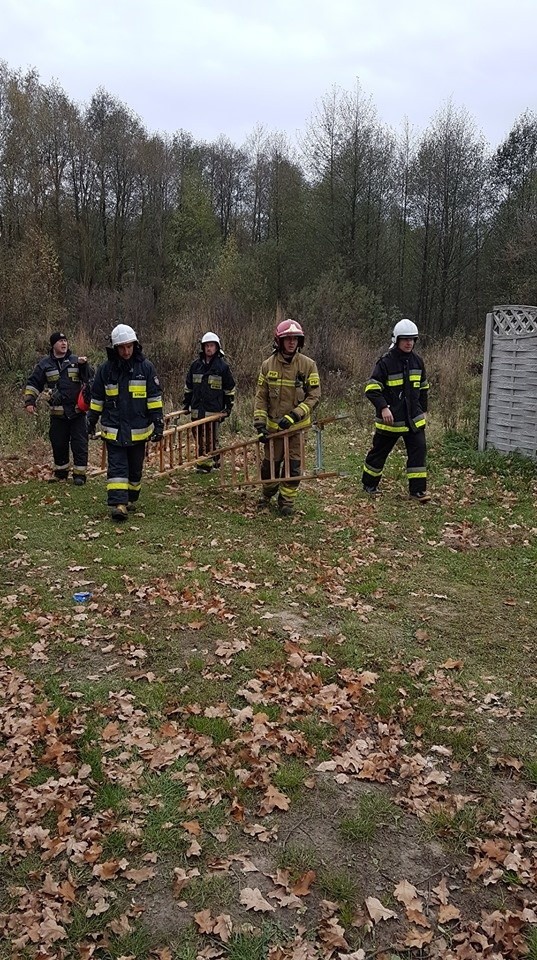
(514, 321)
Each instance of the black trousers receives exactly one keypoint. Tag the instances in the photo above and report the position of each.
(416, 450)
(207, 439)
(124, 472)
(64, 433)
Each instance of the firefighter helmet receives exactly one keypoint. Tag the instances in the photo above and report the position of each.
(123, 334)
(210, 337)
(289, 328)
(404, 328)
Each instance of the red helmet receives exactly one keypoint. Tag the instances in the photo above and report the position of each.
(289, 328)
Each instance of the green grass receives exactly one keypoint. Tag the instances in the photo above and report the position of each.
(373, 812)
(384, 587)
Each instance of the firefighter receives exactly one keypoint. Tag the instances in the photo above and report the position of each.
(209, 388)
(288, 390)
(127, 396)
(65, 376)
(398, 390)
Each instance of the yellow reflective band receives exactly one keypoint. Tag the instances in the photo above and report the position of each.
(111, 390)
(390, 429)
(142, 434)
(109, 433)
(304, 407)
(373, 473)
(416, 475)
(97, 405)
(288, 492)
(155, 403)
(372, 386)
(119, 485)
(420, 423)
(313, 380)
(394, 381)
(135, 486)
(31, 392)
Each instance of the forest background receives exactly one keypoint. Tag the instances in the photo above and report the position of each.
(347, 230)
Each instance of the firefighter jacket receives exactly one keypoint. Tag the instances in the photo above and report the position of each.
(209, 387)
(64, 377)
(399, 382)
(287, 387)
(127, 396)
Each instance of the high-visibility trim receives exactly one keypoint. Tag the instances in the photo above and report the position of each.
(304, 407)
(138, 389)
(419, 421)
(109, 433)
(260, 415)
(371, 472)
(289, 492)
(416, 474)
(73, 373)
(52, 375)
(395, 381)
(391, 428)
(111, 389)
(260, 380)
(229, 393)
(197, 377)
(415, 377)
(425, 385)
(314, 380)
(61, 466)
(373, 385)
(96, 405)
(155, 403)
(273, 424)
(80, 471)
(215, 382)
(135, 486)
(31, 392)
(117, 483)
(141, 434)
(57, 411)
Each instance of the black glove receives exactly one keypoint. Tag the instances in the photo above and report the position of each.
(186, 405)
(226, 412)
(91, 423)
(262, 432)
(157, 432)
(288, 420)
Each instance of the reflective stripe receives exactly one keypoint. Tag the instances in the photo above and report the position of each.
(138, 388)
(119, 484)
(416, 474)
(197, 377)
(304, 407)
(109, 433)
(260, 415)
(289, 492)
(142, 434)
(52, 375)
(135, 486)
(229, 393)
(155, 403)
(373, 473)
(419, 421)
(314, 380)
(31, 392)
(394, 381)
(273, 424)
(61, 466)
(111, 389)
(215, 382)
(81, 471)
(391, 428)
(373, 385)
(57, 411)
(96, 405)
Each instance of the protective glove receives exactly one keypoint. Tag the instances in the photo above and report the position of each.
(262, 432)
(91, 423)
(186, 405)
(288, 421)
(157, 432)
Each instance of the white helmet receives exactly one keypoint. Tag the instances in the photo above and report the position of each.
(210, 338)
(404, 328)
(123, 334)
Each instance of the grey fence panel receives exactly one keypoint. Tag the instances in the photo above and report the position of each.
(508, 415)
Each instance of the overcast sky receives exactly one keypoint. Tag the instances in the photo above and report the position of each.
(216, 67)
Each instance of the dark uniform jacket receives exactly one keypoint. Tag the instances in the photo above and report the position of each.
(209, 387)
(399, 382)
(126, 394)
(64, 377)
